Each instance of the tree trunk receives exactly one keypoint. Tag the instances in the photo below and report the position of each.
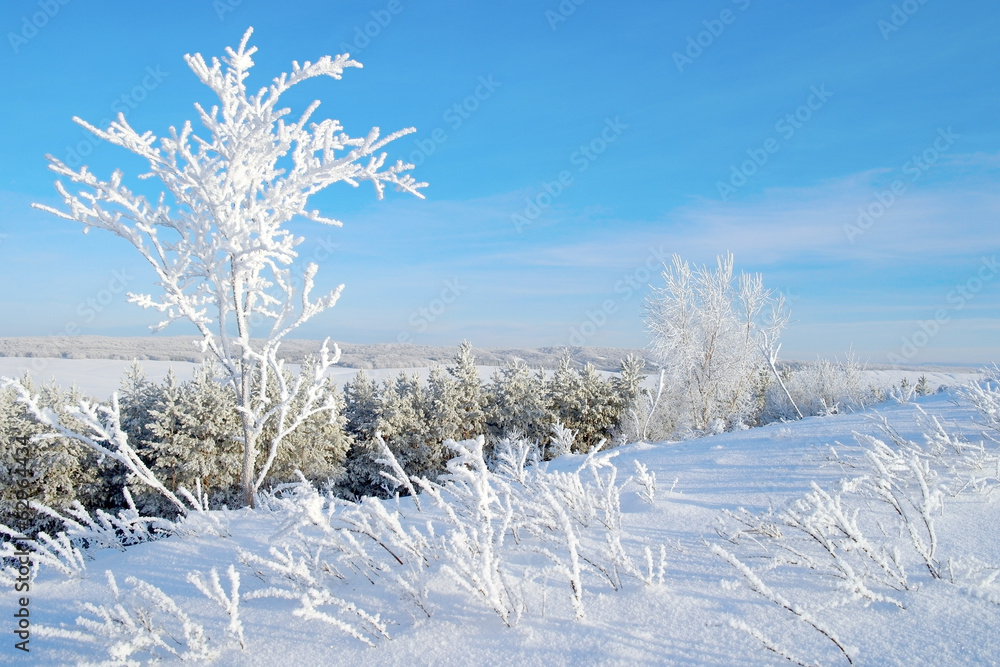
(244, 397)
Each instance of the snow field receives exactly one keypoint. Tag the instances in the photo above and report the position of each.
(688, 619)
(100, 377)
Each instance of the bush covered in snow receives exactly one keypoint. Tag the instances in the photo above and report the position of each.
(822, 387)
(52, 469)
(187, 433)
(873, 538)
(415, 420)
(715, 337)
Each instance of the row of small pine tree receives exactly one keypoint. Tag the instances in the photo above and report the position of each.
(186, 432)
(414, 419)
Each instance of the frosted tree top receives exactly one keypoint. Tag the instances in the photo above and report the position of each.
(229, 196)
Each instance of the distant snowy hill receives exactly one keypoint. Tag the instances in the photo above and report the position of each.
(376, 355)
(96, 364)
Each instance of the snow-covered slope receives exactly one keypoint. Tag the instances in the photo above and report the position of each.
(694, 617)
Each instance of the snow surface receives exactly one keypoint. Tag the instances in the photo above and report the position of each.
(684, 621)
(100, 377)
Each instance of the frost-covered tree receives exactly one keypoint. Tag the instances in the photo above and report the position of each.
(627, 388)
(709, 332)
(442, 411)
(564, 394)
(517, 404)
(404, 424)
(138, 395)
(822, 387)
(192, 441)
(217, 238)
(362, 474)
(403, 414)
(471, 399)
(361, 397)
(187, 433)
(585, 403)
(55, 471)
(318, 447)
(602, 409)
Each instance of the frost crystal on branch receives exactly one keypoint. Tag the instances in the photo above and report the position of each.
(217, 238)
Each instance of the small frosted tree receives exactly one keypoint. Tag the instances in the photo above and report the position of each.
(404, 426)
(55, 471)
(713, 334)
(442, 411)
(191, 445)
(516, 404)
(218, 241)
(471, 400)
(362, 474)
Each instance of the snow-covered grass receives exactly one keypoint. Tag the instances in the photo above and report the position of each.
(561, 564)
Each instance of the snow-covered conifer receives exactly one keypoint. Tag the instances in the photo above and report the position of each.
(137, 395)
(441, 408)
(471, 400)
(602, 409)
(57, 470)
(361, 400)
(362, 475)
(404, 424)
(517, 404)
(628, 391)
(564, 394)
(584, 402)
(193, 438)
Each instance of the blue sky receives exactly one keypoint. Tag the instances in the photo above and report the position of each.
(759, 128)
